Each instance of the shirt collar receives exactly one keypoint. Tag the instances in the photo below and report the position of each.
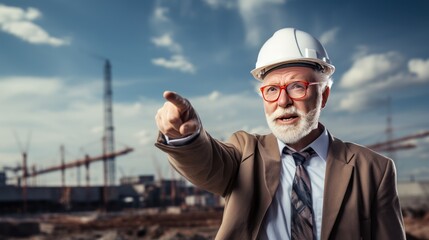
(320, 145)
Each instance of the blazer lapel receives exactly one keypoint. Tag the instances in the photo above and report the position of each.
(269, 155)
(268, 158)
(337, 178)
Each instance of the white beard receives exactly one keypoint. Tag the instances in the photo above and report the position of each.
(291, 134)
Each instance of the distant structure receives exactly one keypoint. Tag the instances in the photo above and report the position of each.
(389, 130)
(23, 197)
(132, 192)
(108, 137)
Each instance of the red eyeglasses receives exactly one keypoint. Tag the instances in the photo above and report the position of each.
(295, 90)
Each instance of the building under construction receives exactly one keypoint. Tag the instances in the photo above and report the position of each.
(35, 198)
(140, 191)
(132, 192)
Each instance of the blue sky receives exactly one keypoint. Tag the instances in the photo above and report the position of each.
(51, 82)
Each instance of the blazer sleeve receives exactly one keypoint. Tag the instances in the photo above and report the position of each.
(387, 222)
(205, 162)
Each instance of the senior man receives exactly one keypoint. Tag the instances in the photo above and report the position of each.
(299, 182)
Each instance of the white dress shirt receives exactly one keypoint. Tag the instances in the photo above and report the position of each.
(277, 221)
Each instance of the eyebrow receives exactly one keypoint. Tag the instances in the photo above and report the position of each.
(293, 78)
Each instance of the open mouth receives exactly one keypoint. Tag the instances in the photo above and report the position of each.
(287, 118)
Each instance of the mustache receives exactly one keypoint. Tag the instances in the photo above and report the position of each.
(284, 111)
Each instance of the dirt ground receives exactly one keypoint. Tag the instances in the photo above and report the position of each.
(417, 227)
(193, 225)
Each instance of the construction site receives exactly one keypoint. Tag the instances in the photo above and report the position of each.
(141, 206)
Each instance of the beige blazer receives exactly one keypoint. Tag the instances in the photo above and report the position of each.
(360, 196)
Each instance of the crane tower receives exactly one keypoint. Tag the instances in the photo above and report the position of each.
(108, 137)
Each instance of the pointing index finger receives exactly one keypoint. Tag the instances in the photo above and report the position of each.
(177, 100)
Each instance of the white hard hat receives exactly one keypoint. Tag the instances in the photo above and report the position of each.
(290, 46)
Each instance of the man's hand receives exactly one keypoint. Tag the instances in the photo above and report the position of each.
(177, 118)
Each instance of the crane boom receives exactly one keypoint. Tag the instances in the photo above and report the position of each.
(395, 148)
(383, 145)
(79, 162)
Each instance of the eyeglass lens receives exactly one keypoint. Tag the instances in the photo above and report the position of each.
(294, 90)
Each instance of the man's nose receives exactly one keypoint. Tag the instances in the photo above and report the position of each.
(284, 99)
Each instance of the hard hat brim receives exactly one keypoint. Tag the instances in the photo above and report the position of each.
(260, 73)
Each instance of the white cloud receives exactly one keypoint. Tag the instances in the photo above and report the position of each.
(222, 114)
(370, 69)
(160, 14)
(32, 33)
(18, 22)
(32, 13)
(369, 95)
(354, 101)
(361, 52)
(167, 41)
(329, 36)
(10, 14)
(220, 3)
(144, 137)
(374, 76)
(215, 95)
(420, 68)
(17, 87)
(177, 62)
(97, 130)
(255, 15)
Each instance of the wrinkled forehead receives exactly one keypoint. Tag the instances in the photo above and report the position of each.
(288, 74)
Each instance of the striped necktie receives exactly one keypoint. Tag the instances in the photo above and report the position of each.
(301, 201)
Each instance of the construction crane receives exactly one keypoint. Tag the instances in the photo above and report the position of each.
(79, 162)
(15, 170)
(392, 145)
(109, 137)
(396, 144)
(108, 156)
(24, 151)
(86, 161)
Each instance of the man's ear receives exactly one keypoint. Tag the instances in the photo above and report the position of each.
(325, 96)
